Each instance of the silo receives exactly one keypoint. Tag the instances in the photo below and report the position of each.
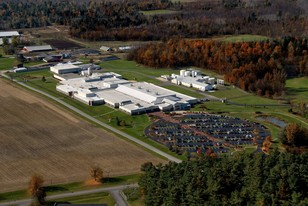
(182, 72)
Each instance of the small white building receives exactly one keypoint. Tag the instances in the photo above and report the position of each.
(8, 35)
(220, 81)
(106, 49)
(193, 78)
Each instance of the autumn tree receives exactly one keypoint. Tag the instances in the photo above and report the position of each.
(96, 173)
(36, 190)
(267, 143)
(295, 135)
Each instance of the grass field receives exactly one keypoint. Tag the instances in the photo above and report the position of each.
(95, 198)
(7, 63)
(245, 38)
(297, 89)
(39, 137)
(121, 66)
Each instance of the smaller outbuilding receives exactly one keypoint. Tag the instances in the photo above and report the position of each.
(8, 35)
(105, 48)
(42, 48)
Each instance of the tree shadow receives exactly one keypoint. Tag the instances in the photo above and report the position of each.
(55, 189)
(296, 91)
(111, 180)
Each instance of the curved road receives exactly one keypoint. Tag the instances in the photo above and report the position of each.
(114, 191)
(169, 157)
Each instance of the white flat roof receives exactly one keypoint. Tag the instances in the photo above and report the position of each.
(100, 84)
(113, 96)
(8, 33)
(65, 66)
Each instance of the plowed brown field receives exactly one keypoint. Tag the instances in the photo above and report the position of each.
(38, 137)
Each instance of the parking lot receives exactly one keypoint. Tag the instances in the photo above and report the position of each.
(198, 132)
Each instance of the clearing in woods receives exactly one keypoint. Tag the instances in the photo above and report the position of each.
(38, 137)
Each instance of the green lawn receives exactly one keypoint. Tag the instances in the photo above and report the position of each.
(95, 198)
(237, 95)
(297, 89)
(7, 63)
(158, 12)
(134, 196)
(32, 63)
(245, 38)
(120, 66)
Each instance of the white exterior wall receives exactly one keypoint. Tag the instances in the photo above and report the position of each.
(64, 68)
(186, 84)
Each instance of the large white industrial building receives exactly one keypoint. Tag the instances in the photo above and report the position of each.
(131, 97)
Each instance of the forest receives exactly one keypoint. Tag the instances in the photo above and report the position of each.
(259, 67)
(124, 20)
(239, 179)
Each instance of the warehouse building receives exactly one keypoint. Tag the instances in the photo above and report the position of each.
(42, 48)
(71, 70)
(132, 97)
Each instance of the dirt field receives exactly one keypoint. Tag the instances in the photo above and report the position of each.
(39, 137)
(62, 44)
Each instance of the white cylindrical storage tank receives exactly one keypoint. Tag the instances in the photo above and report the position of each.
(173, 76)
(182, 72)
(89, 71)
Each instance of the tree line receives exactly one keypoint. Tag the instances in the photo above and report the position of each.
(240, 179)
(123, 20)
(258, 67)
